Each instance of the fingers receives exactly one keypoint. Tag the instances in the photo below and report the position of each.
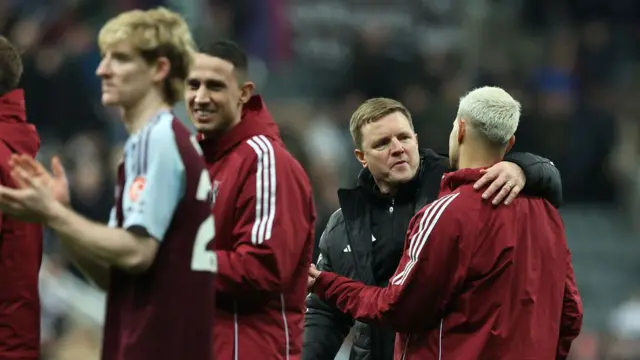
(29, 179)
(488, 177)
(496, 185)
(11, 207)
(20, 181)
(16, 203)
(16, 209)
(504, 192)
(513, 194)
(31, 165)
(11, 195)
(57, 168)
(313, 272)
(507, 194)
(506, 183)
(28, 164)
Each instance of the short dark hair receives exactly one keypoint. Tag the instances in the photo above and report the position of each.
(10, 66)
(229, 51)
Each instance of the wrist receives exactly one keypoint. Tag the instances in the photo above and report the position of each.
(320, 284)
(55, 215)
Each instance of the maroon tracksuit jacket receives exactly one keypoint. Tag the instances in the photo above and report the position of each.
(475, 281)
(263, 208)
(20, 243)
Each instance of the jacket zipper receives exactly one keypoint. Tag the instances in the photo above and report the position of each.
(393, 201)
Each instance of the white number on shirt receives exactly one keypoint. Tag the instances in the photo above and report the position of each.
(203, 259)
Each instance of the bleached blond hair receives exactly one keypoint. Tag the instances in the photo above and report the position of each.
(155, 33)
(491, 111)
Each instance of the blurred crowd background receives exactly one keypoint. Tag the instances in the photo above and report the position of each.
(574, 65)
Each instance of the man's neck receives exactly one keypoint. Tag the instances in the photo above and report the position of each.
(135, 117)
(216, 134)
(387, 189)
(478, 159)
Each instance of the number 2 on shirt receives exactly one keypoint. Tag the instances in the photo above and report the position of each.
(203, 259)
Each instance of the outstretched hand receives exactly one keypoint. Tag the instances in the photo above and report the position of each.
(37, 191)
(504, 176)
(313, 275)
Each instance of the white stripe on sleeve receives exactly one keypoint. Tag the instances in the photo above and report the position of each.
(265, 189)
(428, 221)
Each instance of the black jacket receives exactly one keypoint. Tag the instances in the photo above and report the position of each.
(346, 249)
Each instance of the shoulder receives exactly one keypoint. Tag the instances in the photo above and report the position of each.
(172, 138)
(336, 219)
(334, 225)
(432, 158)
(449, 210)
(266, 153)
(258, 147)
(261, 147)
(432, 163)
(162, 130)
(157, 144)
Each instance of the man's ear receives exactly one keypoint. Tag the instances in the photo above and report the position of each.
(161, 69)
(462, 130)
(512, 141)
(360, 156)
(246, 91)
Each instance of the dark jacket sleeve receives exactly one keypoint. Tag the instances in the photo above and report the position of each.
(325, 327)
(543, 178)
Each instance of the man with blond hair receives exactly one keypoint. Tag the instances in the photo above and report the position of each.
(153, 258)
(363, 240)
(475, 281)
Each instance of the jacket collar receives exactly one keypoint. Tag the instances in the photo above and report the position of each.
(12, 107)
(455, 179)
(256, 120)
(367, 189)
(406, 193)
(355, 204)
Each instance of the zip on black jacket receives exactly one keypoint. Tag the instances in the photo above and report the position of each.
(346, 249)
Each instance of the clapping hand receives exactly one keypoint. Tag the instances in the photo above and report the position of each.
(37, 191)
